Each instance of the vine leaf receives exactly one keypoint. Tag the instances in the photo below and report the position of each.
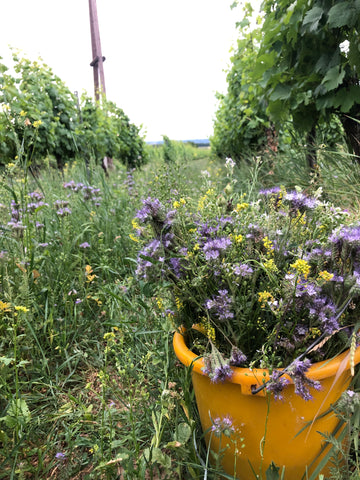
(333, 77)
(340, 15)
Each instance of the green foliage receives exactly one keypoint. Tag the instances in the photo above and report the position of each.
(241, 123)
(305, 68)
(39, 114)
(169, 150)
(107, 132)
(308, 69)
(89, 386)
(40, 118)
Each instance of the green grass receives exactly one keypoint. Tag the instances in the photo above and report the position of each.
(89, 385)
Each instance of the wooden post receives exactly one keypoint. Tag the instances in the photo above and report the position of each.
(98, 60)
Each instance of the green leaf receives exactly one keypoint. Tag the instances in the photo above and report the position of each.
(7, 360)
(183, 432)
(243, 24)
(333, 77)
(313, 17)
(341, 14)
(18, 412)
(281, 92)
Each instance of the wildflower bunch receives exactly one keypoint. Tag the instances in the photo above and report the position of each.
(277, 279)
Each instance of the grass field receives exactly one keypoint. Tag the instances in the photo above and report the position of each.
(89, 385)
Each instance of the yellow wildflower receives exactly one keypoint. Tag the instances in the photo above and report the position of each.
(5, 306)
(324, 275)
(160, 304)
(176, 204)
(135, 224)
(178, 303)
(241, 206)
(268, 245)
(37, 123)
(315, 332)
(89, 274)
(209, 329)
(270, 265)
(109, 336)
(265, 297)
(20, 308)
(22, 113)
(201, 203)
(302, 267)
(133, 238)
(238, 238)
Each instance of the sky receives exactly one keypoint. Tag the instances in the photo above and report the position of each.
(165, 59)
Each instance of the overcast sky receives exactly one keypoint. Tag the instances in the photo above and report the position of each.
(165, 59)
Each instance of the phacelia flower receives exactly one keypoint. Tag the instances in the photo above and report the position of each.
(238, 358)
(222, 426)
(213, 248)
(220, 305)
(150, 211)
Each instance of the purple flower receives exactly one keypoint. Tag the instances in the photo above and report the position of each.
(17, 226)
(170, 216)
(205, 230)
(237, 358)
(84, 245)
(213, 248)
(277, 384)
(63, 212)
(243, 270)
(175, 266)
(304, 288)
(60, 456)
(37, 196)
(300, 201)
(71, 185)
(31, 207)
(222, 426)
(150, 210)
(220, 305)
(166, 239)
(270, 191)
(221, 373)
(147, 257)
(349, 235)
(61, 203)
(297, 370)
(300, 367)
(324, 310)
(16, 212)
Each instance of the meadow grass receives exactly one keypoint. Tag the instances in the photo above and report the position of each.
(89, 385)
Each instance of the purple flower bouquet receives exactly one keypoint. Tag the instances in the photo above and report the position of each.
(273, 283)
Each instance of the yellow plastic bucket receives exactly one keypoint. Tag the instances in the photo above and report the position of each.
(267, 430)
